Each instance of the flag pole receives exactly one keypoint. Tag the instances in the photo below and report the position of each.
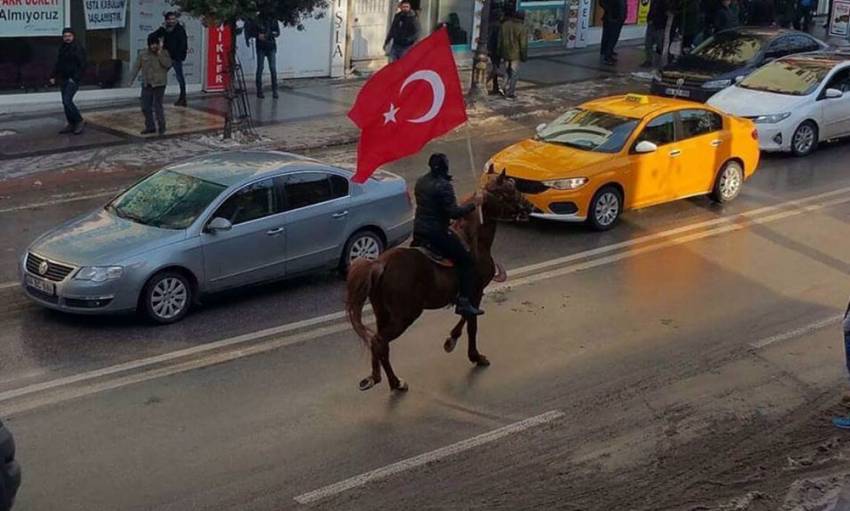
(472, 166)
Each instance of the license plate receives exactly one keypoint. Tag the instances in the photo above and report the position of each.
(41, 285)
(678, 92)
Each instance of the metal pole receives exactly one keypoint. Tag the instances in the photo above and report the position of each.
(472, 165)
(480, 59)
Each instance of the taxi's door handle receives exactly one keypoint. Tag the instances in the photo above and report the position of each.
(675, 152)
(716, 143)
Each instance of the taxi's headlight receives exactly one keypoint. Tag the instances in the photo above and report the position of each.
(487, 166)
(772, 119)
(566, 184)
(99, 273)
(716, 84)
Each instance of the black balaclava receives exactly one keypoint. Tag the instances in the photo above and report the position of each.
(439, 164)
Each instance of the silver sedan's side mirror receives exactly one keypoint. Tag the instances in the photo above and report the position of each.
(645, 146)
(219, 224)
(833, 93)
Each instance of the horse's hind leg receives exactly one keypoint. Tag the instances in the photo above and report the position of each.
(472, 337)
(451, 342)
(374, 378)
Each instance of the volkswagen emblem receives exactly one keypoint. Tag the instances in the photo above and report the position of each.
(680, 82)
(43, 267)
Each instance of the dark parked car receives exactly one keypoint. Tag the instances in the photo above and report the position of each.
(729, 56)
(10, 472)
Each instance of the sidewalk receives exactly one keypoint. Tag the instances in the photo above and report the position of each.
(309, 102)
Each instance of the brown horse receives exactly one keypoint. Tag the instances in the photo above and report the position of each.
(403, 282)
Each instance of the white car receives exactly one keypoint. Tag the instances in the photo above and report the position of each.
(796, 101)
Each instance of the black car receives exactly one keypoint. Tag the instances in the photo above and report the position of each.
(10, 472)
(726, 57)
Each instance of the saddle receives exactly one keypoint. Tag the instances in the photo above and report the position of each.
(435, 258)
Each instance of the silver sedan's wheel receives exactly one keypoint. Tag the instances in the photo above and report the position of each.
(605, 208)
(729, 182)
(805, 139)
(167, 297)
(364, 244)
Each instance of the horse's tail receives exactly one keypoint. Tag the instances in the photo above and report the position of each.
(362, 275)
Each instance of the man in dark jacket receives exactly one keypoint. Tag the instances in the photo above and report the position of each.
(725, 18)
(173, 37)
(404, 31)
(265, 30)
(513, 48)
(496, 19)
(436, 207)
(656, 23)
(68, 69)
(612, 24)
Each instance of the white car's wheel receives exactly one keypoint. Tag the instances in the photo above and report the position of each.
(804, 141)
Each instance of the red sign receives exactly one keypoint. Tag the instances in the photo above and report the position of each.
(218, 52)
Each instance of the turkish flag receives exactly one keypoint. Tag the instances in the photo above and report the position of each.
(406, 104)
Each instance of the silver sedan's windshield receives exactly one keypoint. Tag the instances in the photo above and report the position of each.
(589, 130)
(167, 199)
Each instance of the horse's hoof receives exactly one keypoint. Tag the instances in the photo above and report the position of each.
(367, 383)
(402, 386)
(450, 344)
(481, 361)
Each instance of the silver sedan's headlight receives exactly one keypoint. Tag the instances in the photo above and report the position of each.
(99, 273)
(716, 84)
(772, 119)
(566, 184)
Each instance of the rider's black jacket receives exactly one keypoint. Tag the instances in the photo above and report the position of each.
(436, 206)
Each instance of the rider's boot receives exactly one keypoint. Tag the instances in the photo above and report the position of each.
(465, 308)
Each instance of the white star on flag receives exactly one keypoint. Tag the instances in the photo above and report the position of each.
(390, 115)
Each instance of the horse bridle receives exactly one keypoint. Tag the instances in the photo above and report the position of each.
(502, 216)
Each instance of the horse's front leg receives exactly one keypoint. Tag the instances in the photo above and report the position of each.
(451, 342)
(471, 333)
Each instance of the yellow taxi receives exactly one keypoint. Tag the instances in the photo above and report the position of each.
(625, 152)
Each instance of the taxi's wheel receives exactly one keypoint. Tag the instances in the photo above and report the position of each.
(605, 208)
(729, 181)
(805, 139)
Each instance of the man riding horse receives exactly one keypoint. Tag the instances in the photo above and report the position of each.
(436, 207)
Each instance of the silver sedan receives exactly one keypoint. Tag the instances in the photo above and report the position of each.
(212, 223)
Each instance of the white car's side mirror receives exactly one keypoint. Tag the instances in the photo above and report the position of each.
(833, 94)
(219, 224)
(739, 79)
(645, 146)
(541, 127)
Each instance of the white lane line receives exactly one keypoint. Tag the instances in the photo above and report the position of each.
(315, 334)
(797, 332)
(66, 200)
(7, 285)
(428, 457)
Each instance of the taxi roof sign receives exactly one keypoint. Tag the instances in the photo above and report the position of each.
(637, 98)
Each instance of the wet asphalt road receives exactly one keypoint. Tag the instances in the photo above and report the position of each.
(36, 344)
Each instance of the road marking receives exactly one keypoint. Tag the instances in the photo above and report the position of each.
(315, 334)
(7, 285)
(428, 457)
(66, 200)
(797, 332)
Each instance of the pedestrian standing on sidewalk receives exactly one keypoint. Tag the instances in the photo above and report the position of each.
(404, 31)
(265, 30)
(513, 48)
(68, 69)
(612, 23)
(725, 17)
(803, 17)
(496, 20)
(153, 65)
(844, 422)
(173, 38)
(656, 22)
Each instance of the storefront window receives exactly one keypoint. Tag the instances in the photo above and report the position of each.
(458, 16)
(545, 21)
(636, 11)
(27, 56)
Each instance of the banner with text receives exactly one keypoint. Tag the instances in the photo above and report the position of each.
(31, 18)
(218, 53)
(105, 14)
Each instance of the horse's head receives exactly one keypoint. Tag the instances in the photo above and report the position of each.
(502, 200)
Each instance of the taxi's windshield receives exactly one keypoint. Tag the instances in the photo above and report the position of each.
(589, 130)
(795, 77)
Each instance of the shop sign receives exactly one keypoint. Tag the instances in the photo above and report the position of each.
(105, 14)
(839, 19)
(584, 9)
(218, 53)
(338, 28)
(31, 18)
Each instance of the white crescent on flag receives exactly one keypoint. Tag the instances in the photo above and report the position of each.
(437, 87)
